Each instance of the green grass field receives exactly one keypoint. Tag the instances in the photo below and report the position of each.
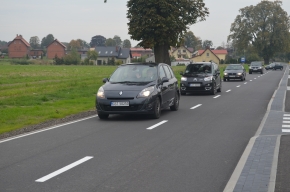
(31, 94)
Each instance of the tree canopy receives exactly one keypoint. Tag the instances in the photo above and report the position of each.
(47, 40)
(127, 43)
(190, 40)
(207, 44)
(163, 23)
(98, 40)
(264, 26)
(34, 42)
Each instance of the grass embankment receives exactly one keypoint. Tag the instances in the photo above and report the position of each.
(31, 94)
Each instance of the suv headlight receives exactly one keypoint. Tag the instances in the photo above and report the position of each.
(239, 73)
(225, 73)
(208, 78)
(101, 93)
(183, 78)
(146, 92)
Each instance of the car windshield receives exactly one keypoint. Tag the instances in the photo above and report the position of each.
(198, 68)
(256, 64)
(134, 74)
(234, 67)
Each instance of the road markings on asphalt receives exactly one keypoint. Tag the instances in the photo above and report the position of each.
(286, 118)
(286, 115)
(255, 78)
(251, 80)
(49, 128)
(156, 125)
(238, 85)
(66, 168)
(286, 121)
(228, 91)
(258, 76)
(216, 96)
(245, 83)
(196, 106)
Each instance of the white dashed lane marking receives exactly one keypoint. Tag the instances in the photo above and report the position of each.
(228, 91)
(251, 80)
(196, 106)
(156, 125)
(238, 85)
(216, 96)
(245, 83)
(66, 168)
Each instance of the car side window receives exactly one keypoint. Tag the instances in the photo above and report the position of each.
(168, 74)
(161, 72)
(172, 74)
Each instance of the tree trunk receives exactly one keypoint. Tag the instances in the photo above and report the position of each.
(266, 60)
(161, 53)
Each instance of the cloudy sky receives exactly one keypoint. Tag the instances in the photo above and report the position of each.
(76, 19)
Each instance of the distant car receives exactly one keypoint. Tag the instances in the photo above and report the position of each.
(278, 66)
(201, 77)
(139, 88)
(256, 67)
(235, 71)
(270, 66)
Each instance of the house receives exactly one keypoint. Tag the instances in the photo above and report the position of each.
(55, 48)
(150, 59)
(117, 53)
(138, 52)
(36, 53)
(205, 56)
(18, 48)
(181, 52)
(220, 53)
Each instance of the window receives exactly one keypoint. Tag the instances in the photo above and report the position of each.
(161, 72)
(168, 74)
(207, 54)
(184, 51)
(99, 62)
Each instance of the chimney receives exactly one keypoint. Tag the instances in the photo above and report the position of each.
(16, 35)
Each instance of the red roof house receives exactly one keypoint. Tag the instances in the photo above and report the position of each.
(18, 48)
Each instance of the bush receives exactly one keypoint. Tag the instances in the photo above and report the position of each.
(20, 62)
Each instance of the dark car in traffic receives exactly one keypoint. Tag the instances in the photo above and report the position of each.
(139, 88)
(234, 71)
(256, 67)
(278, 66)
(201, 77)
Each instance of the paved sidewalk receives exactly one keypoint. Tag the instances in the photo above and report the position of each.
(262, 166)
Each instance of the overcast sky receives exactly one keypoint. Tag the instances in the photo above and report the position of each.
(76, 19)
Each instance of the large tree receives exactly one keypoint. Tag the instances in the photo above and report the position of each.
(264, 26)
(159, 24)
(47, 40)
(126, 43)
(98, 40)
(74, 44)
(34, 42)
(190, 40)
(207, 44)
(110, 42)
(118, 40)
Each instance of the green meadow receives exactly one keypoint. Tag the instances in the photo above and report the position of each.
(32, 94)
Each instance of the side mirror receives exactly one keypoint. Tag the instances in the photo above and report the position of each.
(164, 79)
(181, 72)
(105, 80)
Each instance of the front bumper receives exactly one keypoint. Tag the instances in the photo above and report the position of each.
(255, 70)
(233, 76)
(136, 106)
(193, 87)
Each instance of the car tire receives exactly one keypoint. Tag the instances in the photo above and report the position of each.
(213, 90)
(175, 106)
(242, 79)
(157, 109)
(261, 72)
(225, 79)
(183, 93)
(250, 72)
(103, 116)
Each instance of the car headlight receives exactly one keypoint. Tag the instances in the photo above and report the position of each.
(260, 67)
(146, 92)
(101, 93)
(208, 78)
(225, 73)
(183, 79)
(239, 73)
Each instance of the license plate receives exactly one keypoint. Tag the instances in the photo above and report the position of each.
(194, 85)
(232, 76)
(117, 104)
(254, 69)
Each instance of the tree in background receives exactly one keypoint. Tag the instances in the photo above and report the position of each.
(126, 43)
(74, 44)
(117, 40)
(264, 26)
(98, 40)
(47, 40)
(73, 58)
(207, 44)
(161, 24)
(190, 40)
(110, 42)
(92, 55)
(34, 42)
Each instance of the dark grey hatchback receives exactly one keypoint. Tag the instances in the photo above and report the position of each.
(235, 71)
(142, 88)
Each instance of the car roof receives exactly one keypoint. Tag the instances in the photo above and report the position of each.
(235, 64)
(149, 64)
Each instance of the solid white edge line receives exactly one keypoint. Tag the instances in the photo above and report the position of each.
(196, 106)
(216, 96)
(46, 129)
(272, 182)
(156, 125)
(66, 168)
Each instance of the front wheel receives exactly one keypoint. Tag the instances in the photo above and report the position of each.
(213, 89)
(157, 109)
(175, 106)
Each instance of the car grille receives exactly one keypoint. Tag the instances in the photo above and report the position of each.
(195, 88)
(118, 98)
(232, 73)
(126, 108)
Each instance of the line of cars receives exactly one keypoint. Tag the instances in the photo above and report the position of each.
(274, 66)
(148, 88)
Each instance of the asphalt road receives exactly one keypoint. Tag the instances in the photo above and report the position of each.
(190, 150)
